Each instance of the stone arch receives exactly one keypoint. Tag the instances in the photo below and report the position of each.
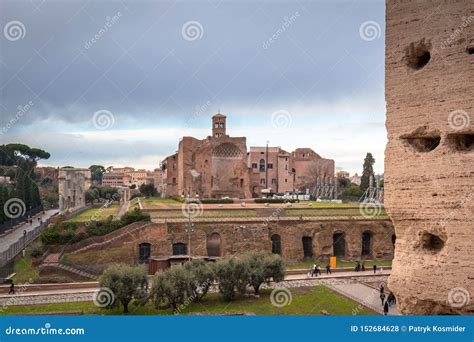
(144, 252)
(367, 243)
(227, 150)
(213, 245)
(180, 248)
(276, 244)
(339, 243)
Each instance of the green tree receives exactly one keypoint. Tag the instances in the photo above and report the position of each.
(202, 275)
(97, 171)
(127, 284)
(147, 190)
(368, 172)
(92, 195)
(263, 267)
(174, 286)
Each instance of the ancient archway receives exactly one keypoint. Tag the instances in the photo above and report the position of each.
(276, 244)
(214, 245)
(144, 252)
(366, 243)
(339, 244)
(307, 247)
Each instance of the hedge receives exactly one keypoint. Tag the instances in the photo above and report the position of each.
(275, 200)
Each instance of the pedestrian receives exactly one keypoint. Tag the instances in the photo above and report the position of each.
(363, 266)
(328, 269)
(382, 298)
(313, 270)
(375, 268)
(318, 270)
(385, 308)
(391, 299)
(24, 232)
(382, 288)
(12, 288)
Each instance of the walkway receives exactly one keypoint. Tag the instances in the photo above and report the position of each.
(17, 232)
(123, 209)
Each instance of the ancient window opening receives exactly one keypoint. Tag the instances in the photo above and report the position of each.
(339, 244)
(366, 244)
(307, 247)
(432, 242)
(180, 249)
(262, 165)
(214, 245)
(144, 251)
(276, 244)
(422, 144)
(470, 49)
(418, 55)
(461, 141)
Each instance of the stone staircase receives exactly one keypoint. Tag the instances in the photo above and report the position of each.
(53, 261)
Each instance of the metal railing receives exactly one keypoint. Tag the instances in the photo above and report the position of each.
(21, 243)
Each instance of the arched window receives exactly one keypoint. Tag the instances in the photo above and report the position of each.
(144, 251)
(307, 247)
(366, 243)
(262, 165)
(180, 249)
(339, 244)
(276, 244)
(214, 245)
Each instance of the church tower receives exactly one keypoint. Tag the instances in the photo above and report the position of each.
(218, 125)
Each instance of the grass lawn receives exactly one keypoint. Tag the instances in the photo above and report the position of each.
(340, 264)
(97, 213)
(325, 204)
(342, 211)
(206, 213)
(305, 301)
(159, 199)
(24, 270)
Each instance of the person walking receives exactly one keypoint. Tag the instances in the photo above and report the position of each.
(12, 288)
(318, 270)
(382, 298)
(385, 308)
(328, 269)
(375, 268)
(382, 288)
(313, 270)
(363, 266)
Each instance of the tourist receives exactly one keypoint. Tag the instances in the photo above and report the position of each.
(318, 270)
(382, 297)
(385, 308)
(391, 299)
(363, 266)
(328, 269)
(375, 268)
(313, 270)
(12, 288)
(382, 288)
(24, 232)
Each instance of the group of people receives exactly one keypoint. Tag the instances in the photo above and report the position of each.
(361, 267)
(386, 303)
(316, 270)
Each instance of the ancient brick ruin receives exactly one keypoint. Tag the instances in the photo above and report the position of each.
(429, 160)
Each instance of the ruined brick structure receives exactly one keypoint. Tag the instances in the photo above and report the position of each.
(429, 160)
(72, 186)
(220, 166)
(294, 240)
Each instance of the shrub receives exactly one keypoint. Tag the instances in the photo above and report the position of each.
(202, 276)
(36, 250)
(134, 216)
(263, 267)
(60, 233)
(229, 273)
(126, 283)
(216, 201)
(172, 287)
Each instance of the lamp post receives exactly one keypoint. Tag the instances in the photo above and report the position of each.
(189, 228)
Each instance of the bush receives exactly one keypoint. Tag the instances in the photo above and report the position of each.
(216, 201)
(275, 200)
(202, 275)
(134, 216)
(229, 273)
(126, 283)
(172, 287)
(60, 233)
(36, 250)
(262, 268)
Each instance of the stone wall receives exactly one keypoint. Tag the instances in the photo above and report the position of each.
(429, 159)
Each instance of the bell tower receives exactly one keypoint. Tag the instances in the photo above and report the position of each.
(218, 125)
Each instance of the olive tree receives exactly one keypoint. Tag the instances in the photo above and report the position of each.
(202, 277)
(126, 283)
(172, 287)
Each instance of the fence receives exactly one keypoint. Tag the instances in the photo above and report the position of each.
(22, 242)
(13, 222)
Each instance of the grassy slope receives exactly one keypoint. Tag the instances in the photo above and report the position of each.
(305, 301)
(98, 213)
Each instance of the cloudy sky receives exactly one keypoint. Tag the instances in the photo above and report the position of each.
(119, 82)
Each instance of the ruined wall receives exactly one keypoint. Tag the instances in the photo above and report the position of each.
(429, 159)
(240, 237)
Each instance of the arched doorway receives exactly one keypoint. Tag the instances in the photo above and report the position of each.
(276, 244)
(214, 245)
(180, 249)
(366, 243)
(339, 244)
(307, 247)
(144, 251)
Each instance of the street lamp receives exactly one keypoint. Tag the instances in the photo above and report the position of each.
(189, 228)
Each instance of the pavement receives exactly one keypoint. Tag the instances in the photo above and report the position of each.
(17, 232)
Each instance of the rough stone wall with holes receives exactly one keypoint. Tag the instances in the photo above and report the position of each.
(240, 237)
(429, 159)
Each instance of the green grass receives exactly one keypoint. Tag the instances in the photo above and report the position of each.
(340, 264)
(97, 213)
(206, 213)
(159, 199)
(326, 204)
(305, 301)
(25, 271)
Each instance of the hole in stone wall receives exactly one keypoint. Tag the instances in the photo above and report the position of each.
(418, 54)
(470, 49)
(423, 144)
(432, 242)
(461, 141)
